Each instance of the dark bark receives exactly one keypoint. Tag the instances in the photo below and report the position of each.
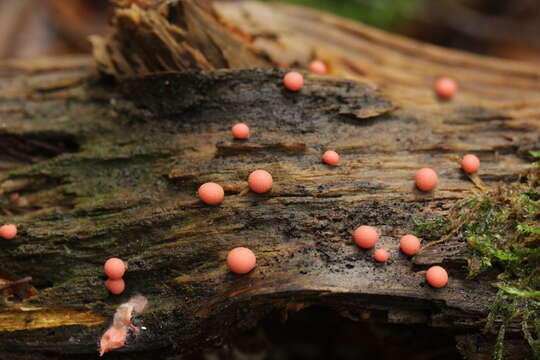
(111, 167)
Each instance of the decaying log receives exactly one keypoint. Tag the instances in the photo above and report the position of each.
(110, 167)
(172, 37)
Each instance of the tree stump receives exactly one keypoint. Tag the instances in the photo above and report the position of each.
(97, 166)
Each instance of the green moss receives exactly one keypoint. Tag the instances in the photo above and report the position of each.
(431, 229)
(528, 318)
(502, 227)
(535, 154)
(513, 304)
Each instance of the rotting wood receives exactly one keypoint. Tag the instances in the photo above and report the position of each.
(125, 158)
(171, 37)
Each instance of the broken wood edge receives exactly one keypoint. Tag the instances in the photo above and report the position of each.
(181, 36)
(32, 318)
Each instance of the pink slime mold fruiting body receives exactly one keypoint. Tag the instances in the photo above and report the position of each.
(113, 338)
(116, 334)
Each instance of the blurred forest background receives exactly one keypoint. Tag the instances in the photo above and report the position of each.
(503, 28)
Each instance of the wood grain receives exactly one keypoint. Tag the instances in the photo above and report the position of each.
(111, 167)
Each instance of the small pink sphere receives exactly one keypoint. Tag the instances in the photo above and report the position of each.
(8, 231)
(380, 255)
(240, 131)
(211, 193)
(241, 260)
(331, 157)
(114, 268)
(293, 81)
(15, 197)
(366, 236)
(409, 244)
(115, 286)
(260, 181)
(437, 277)
(318, 67)
(446, 87)
(470, 163)
(426, 179)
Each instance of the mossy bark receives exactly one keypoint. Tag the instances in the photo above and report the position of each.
(108, 167)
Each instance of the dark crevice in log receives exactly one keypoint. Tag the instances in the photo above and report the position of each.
(240, 147)
(35, 147)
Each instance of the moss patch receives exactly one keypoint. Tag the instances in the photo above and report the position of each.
(502, 227)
